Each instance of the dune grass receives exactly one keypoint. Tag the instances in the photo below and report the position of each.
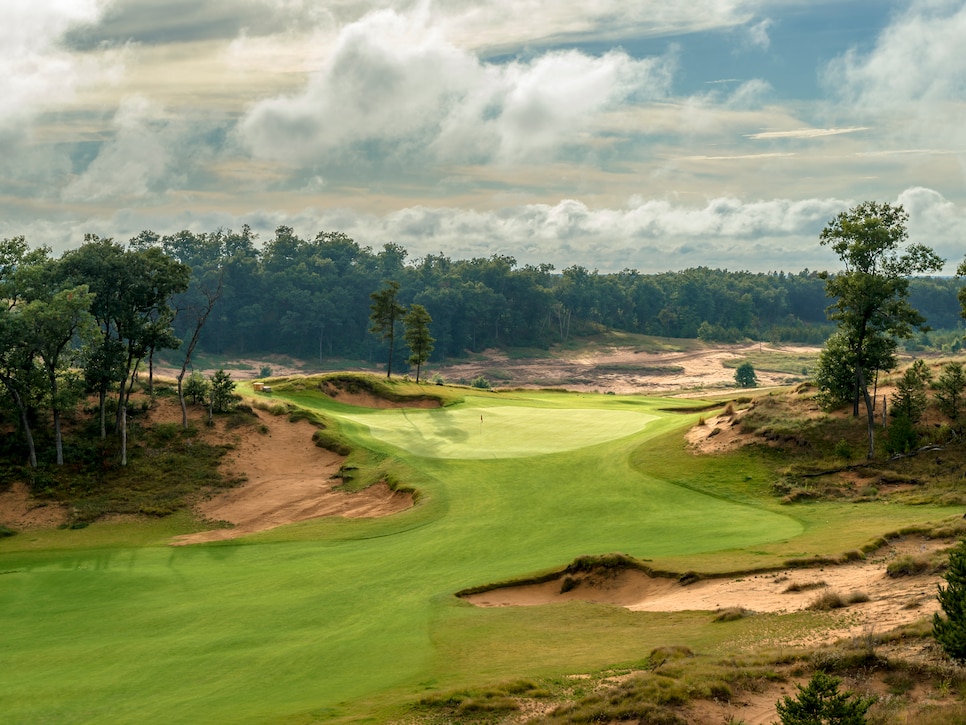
(335, 620)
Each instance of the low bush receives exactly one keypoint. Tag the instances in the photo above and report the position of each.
(827, 601)
(908, 566)
(731, 614)
(803, 587)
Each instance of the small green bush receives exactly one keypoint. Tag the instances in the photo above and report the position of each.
(821, 703)
(843, 450)
(480, 382)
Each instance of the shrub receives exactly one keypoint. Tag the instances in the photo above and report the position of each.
(907, 566)
(196, 388)
(222, 391)
(731, 614)
(826, 601)
(803, 586)
(264, 371)
(843, 450)
(480, 382)
(821, 703)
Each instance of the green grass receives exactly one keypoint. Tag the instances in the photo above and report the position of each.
(339, 620)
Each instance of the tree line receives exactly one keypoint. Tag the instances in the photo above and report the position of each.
(310, 298)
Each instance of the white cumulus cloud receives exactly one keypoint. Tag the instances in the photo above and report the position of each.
(394, 81)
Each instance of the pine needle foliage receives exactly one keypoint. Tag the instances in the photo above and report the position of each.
(821, 703)
(950, 631)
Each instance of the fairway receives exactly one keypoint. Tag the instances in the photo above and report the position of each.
(499, 432)
(335, 620)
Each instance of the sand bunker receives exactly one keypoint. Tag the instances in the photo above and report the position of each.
(892, 601)
(288, 479)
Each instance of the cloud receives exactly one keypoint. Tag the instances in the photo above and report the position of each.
(35, 70)
(806, 133)
(648, 234)
(512, 24)
(758, 34)
(916, 66)
(146, 153)
(396, 87)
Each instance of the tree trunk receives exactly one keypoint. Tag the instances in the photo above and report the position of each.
(392, 342)
(25, 422)
(184, 405)
(124, 436)
(151, 374)
(870, 412)
(102, 404)
(125, 390)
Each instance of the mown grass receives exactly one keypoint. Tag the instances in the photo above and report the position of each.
(335, 619)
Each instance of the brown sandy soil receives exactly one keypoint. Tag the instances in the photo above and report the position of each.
(288, 479)
(19, 510)
(892, 602)
(607, 370)
(701, 370)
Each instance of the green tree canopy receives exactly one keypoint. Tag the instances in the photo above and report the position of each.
(417, 336)
(821, 703)
(950, 630)
(386, 312)
(745, 376)
(871, 305)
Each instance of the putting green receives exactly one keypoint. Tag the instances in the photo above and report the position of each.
(499, 432)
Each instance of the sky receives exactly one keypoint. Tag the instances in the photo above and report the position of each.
(613, 134)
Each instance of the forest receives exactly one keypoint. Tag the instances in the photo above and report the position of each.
(310, 298)
(106, 306)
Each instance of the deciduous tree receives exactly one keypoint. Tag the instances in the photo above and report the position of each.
(745, 376)
(871, 304)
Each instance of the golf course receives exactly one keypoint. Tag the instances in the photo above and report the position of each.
(352, 620)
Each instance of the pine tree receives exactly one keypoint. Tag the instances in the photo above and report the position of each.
(821, 703)
(417, 336)
(386, 312)
(910, 399)
(950, 631)
(949, 390)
